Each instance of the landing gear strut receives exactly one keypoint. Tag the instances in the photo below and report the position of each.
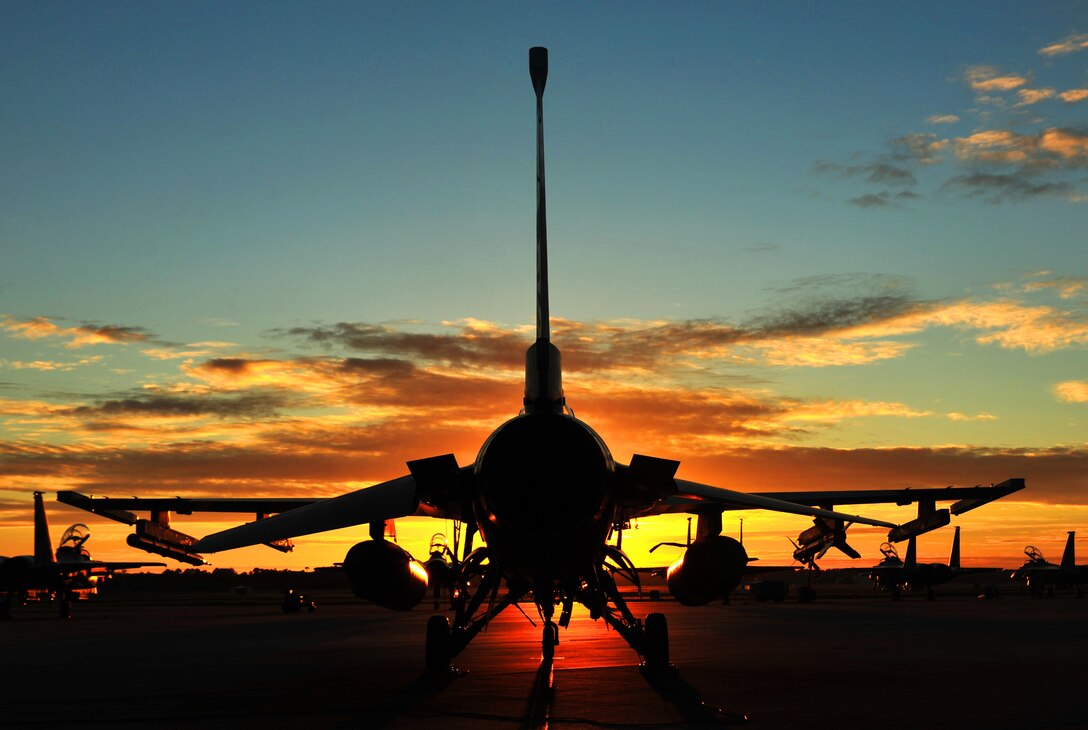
(655, 642)
(438, 652)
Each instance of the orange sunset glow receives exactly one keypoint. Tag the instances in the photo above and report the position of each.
(242, 262)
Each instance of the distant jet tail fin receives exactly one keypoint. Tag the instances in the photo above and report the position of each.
(912, 553)
(1069, 557)
(43, 545)
(954, 559)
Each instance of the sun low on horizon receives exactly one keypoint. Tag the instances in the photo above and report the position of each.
(278, 251)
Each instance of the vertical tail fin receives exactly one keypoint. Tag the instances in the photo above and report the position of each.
(543, 374)
(43, 545)
(912, 553)
(954, 559)
(1069, 557)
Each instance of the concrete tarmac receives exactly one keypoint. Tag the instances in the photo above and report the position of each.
(208, 661)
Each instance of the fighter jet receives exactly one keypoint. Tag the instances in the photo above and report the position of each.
(898, 575)
(67, 576)
(546, 495)
(1042, 577)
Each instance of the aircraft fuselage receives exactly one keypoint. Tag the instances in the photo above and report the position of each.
(546, 496)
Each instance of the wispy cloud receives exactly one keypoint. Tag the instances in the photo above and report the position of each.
(1067, 287)
(955, 416)
(875, 172)
(38, 328)
(1014, 154)
(987, 79)
(1027, 97)
(1070, 44)
(998, 188)
(1048, 149)
(188, 352)
(49, 365)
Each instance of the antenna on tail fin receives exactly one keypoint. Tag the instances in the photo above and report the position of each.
(543, 375)
(538, 72)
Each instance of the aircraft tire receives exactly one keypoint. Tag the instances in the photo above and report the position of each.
(655, 641)
(438, 653)
(549, 640)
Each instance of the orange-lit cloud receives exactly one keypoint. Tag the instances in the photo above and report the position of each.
(1072, 391)
(829, 351)
(1027, 97)
(1010, 324)
(1066, 287)
(987, 79)
(48, 365)
(1011, 162)
(954, 416)
(1070, 44)
(189, 352)
(38, 328)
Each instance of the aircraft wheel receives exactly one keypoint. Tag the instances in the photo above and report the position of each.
(549, 640)
(655, 641)
(66, 607)
(438, 644)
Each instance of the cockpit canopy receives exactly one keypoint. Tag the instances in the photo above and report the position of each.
(1035, 555)
(891, 555)
(71, 542)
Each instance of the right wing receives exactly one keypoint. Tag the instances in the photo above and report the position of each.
(385, 501)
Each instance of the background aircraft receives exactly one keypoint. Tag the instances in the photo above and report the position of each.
(1042, 577)
(546, 495)
(69, 575)
(897, 575)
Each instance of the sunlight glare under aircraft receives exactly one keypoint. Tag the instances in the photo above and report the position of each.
(546, 495)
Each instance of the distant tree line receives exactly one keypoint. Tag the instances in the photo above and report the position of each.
(227, 579)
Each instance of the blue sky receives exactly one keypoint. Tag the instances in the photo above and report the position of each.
(887, 201)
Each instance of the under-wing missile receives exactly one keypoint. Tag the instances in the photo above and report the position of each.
(165, 541)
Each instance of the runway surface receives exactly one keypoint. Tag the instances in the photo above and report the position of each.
(219, 661)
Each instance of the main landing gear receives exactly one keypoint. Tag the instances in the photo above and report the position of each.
(597, 591)
(655, 642)
(549, 640)
(438, 653)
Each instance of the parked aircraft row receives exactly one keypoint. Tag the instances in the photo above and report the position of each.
(70, 574)
(66, 576)
(546, 496)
